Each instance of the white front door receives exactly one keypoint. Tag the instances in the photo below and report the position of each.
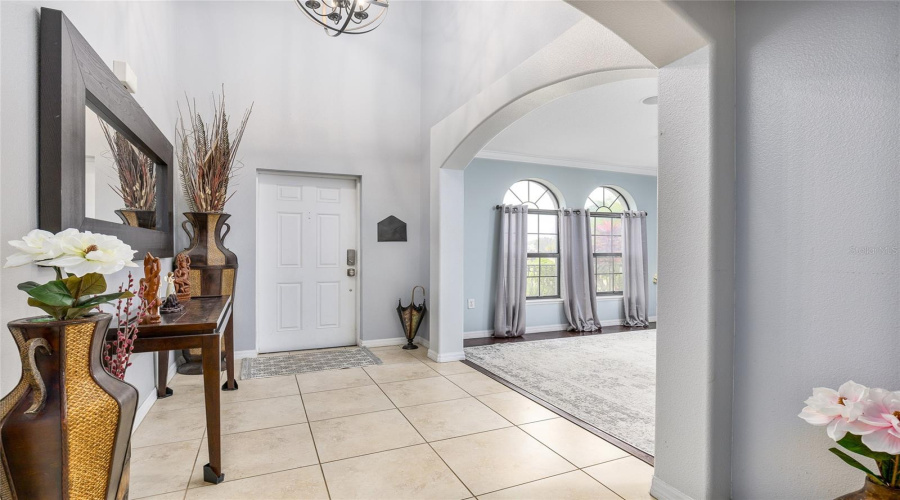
(306, 298)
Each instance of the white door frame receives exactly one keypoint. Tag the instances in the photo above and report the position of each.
(358, 232)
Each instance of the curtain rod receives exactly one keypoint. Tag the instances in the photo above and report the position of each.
(598, 214)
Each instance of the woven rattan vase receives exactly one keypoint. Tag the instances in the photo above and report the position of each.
(66, 426)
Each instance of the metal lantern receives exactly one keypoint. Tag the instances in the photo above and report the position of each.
(411, 317)
(353, 17)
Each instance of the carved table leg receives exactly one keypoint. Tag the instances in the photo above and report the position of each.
(230, 384)
(212, 358)
(162, 360)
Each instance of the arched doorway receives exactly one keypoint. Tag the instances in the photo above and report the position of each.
(696, 177)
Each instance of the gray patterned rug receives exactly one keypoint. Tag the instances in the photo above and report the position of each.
(309, 361)
(608, 381)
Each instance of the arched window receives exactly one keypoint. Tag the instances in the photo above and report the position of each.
(531, 193)
(606, 233)
(542, 280)
(606, 199)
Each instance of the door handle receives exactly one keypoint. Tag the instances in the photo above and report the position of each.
(351, 272)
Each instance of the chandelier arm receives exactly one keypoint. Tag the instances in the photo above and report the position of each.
(359, 29)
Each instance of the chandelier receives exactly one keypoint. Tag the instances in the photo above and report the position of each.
(353, 17)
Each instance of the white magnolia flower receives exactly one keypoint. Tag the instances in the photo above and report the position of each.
(35, 246)
(83, 253)
(839, 410)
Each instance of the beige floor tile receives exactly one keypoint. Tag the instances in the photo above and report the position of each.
(260, 414)
(395, 357)
(572, 442)
(494, 460)
(477, 384)
(575, 485)
(516, 408)
(260, 452)
(169, 426)
(330, 380)
(449, 367)
(357, 435)
(306, 483)
(402, 371)
(455, 418)
(422, 391)
(162, 469)
(262, 388)
(345, 402)
(629, 477)
(186, 395)
(177, 495)
(407, 473)
(420, 353)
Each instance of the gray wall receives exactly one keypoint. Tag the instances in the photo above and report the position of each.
(486, 182)
(818, 176)
(347, 105)
(117, 31)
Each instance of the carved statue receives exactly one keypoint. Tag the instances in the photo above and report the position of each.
(182, 277)
(171, 304)
(150, 284)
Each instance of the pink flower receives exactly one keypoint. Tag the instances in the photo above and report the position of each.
(839, 410)
(882, 417)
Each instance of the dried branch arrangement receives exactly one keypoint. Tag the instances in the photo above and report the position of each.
(137, 173)
(207, 153)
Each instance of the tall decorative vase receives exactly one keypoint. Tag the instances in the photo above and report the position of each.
(213, 267)
(65, 429)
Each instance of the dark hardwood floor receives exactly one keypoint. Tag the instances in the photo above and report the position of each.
(551, 335)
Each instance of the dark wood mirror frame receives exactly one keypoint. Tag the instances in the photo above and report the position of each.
(74, 76)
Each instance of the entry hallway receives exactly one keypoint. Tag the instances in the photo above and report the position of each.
(409, 428)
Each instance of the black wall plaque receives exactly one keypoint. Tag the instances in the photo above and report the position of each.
(392, 229)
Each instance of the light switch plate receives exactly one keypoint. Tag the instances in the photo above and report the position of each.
(471, 303)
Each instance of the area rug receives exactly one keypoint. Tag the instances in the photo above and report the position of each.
(309, 361)
(607, 380)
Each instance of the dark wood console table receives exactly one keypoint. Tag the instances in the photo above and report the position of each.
(201, 325)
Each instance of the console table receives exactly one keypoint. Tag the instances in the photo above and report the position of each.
(202, 324)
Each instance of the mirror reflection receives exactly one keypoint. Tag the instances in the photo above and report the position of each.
(120, 180)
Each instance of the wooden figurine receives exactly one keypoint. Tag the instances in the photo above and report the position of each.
(150, 285)
(182, 277)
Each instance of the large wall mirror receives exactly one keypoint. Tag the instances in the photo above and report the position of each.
(105, 166)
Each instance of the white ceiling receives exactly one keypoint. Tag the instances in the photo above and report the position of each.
(604, 128)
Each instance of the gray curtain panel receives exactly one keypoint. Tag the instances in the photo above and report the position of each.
(634, 259)
(578, 283)
(509, 306)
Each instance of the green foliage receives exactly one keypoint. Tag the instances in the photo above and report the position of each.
(854, 443)
(71, 297)
(854, 463)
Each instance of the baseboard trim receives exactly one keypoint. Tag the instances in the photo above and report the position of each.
(447, 356)
(661, 490)
(383, 342)
(252, 353)
(143, 410)
(480, 334)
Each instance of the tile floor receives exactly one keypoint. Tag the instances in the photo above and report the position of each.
(410, 428)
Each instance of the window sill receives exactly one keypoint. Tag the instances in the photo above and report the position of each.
(555, 300)
(609, 297)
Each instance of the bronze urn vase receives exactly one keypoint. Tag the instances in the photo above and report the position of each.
(65, 429)
(138, 218)
(872, 491)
